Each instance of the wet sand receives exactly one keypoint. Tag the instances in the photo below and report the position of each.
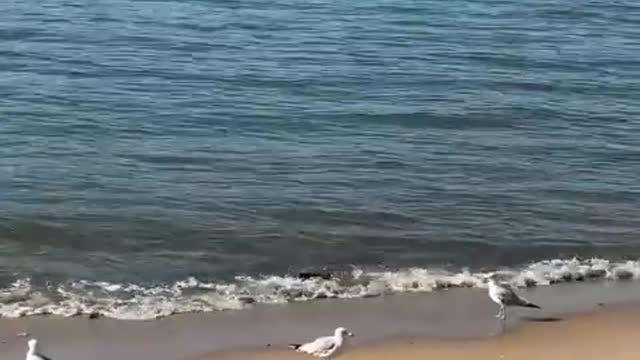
(446, 320)
(609, 334)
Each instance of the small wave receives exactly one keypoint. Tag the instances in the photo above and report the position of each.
(138, 302)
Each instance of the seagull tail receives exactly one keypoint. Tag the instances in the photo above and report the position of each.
(532, 305)
(294, 346)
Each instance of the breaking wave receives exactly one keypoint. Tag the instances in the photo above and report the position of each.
(138, 302)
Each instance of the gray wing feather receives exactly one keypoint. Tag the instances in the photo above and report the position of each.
(509, 296)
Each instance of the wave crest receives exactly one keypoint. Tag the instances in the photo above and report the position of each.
(138, 302)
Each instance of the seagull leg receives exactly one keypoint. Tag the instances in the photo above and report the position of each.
(502, 315)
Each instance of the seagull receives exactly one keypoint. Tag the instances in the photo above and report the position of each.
(324, 347)
(32, 353)
(503, 295)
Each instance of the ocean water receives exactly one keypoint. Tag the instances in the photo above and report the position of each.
(167, 156)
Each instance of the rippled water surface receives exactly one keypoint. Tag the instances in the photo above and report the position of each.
(150, 141)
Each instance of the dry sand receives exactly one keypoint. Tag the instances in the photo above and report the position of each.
(609, 334)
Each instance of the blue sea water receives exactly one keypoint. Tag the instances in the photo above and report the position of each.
(147, 142)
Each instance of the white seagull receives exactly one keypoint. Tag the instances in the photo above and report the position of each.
(32, 353)
(326, 346)
(503, 295)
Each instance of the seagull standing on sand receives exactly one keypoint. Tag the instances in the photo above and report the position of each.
(32, 353)
(503, 295)
(323, 347)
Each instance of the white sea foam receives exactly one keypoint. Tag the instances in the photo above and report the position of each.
(137, 302)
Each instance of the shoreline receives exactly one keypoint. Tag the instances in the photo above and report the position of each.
(154, 300)
(458, 315)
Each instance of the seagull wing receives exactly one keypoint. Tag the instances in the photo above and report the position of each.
(323, 346)
(509, 297)
(42, 357)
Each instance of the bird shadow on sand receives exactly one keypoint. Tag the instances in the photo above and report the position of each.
(541, 318)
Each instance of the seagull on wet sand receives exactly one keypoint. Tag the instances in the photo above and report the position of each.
(503, 295)
(32, 353)
(326, 346)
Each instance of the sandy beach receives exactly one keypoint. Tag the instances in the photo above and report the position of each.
(578, 320)
(607, 334)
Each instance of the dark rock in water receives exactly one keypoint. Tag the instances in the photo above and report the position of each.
(596, 273)
(306, 275)
(94, 315)
(623, 275)
(567, 277)
(371, 295)
(247, 300)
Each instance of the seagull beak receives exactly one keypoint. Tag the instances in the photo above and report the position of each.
(350, 334)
